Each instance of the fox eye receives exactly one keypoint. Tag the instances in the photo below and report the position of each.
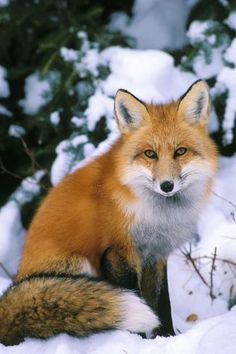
(150, 154)
(180, 151)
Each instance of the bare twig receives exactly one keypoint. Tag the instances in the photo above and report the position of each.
(212, 259)
(224, 199)
(188, 255)
(233, 215)
(6, 271)
(30, 154)
(4, 170)
(34, 162)
(213, 268)
(217, 259)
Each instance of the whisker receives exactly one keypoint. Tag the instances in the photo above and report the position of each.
(187, 174)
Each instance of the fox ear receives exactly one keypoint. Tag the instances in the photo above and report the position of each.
(194, 105)
(130, 112)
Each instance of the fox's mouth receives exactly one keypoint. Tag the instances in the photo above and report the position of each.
(167, 194)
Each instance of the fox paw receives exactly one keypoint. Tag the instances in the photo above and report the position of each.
(138, 317)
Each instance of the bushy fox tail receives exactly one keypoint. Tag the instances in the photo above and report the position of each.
(44, 305)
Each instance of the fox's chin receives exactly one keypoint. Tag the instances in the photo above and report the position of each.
(167, 195)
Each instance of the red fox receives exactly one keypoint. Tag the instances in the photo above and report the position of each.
(95, 252)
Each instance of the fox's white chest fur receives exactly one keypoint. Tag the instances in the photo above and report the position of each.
(164, 224)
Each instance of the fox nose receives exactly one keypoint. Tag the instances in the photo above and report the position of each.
(167, 186)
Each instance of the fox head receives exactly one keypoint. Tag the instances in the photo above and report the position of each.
(166, 148)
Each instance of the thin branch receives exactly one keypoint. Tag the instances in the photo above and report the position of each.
(224, 199)
(6, 271)
(35, 164)
(4, 170)
(217, 259)
(233, 215)
(30, 154)
(189, 257)
(213, 268)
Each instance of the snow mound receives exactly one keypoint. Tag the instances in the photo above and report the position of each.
(216, 335)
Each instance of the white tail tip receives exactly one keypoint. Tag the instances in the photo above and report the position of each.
(138, 316)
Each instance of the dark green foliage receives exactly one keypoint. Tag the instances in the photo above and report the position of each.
(31, 35)
(218, 35)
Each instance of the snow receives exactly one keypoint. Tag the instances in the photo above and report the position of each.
(224, 2)
(12, 237)
(205, 65)
(83, 36)
(90, 61)
(227, 80)
(36, 90)
(231, 20)
(230, 54)
(216, 335)
(217, 62)
(4, 87)
(206, 70)
(16, 130)
(155, 24)
(55, 118)
(5, 111)
(28, 188)
(81, 139)
(196, 31)
(12, 231)
(146, 74)
(78, 122)
(62, 163)
(99, 105)
(4, 3)
(69, 54)
(217, 230)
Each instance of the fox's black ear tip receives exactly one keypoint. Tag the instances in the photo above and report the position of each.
(194, 104)
(130, 112)
(201, 83)
(122, 92)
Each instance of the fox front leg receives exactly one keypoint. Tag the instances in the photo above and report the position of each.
(124, 270)
(121, 268)
(154, 289)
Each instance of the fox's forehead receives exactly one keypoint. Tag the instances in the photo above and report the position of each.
(163, 113)
(163, 119)
(166, 129)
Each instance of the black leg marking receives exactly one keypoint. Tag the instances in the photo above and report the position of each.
(154, 287)
(116, 269)
(164, 307)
